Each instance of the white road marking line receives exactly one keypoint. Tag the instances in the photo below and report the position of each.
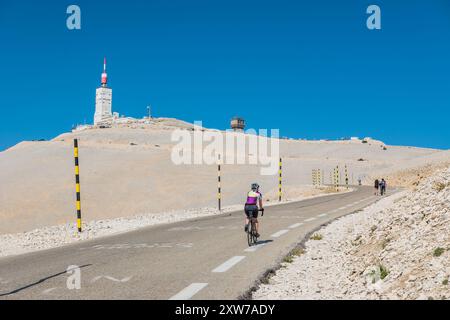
(204, 228)
(279, 233)
(295, 225)
(342, 208)
(335, 210)
(228, 264)
(189, 291)
(310, 219)
(254, 248)
(322, 215)
(111, 279)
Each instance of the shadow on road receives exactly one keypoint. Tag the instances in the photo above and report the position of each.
(38, 282)
(263, 242)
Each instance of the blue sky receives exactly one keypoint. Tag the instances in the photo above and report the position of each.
(310, 68)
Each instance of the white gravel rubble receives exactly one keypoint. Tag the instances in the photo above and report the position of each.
(55, 236)
(397, 248)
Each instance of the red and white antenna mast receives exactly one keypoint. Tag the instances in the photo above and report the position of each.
(104, 74)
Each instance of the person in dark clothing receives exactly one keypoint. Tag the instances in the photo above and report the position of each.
(377, 186)
(383, 187)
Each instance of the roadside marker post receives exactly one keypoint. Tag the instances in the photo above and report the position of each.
(346, 176)
(219, 185)
(315, 177)
(77, 184)
(280, 180)
(337, 178)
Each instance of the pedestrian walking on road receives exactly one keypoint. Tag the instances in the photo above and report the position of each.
(383, 187)
(377, 186)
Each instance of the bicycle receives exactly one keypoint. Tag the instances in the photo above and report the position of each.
(252, 239)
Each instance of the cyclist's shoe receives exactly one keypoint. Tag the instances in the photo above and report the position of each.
(246, 228)
(258, 235)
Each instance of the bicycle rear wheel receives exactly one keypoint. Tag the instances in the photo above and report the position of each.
(255, 238)
(251, 234)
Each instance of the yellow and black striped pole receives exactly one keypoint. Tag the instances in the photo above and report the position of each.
(219, 185)
(334, 178)
(319, 178)
(338, 178)
(77, 182)
(280, 180)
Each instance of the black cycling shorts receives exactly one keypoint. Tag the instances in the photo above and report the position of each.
(251, 211)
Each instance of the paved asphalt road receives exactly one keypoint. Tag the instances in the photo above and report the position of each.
(205, 258)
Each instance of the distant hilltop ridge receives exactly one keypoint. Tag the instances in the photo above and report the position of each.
(144, 123)
(127, 125)
(173, 124)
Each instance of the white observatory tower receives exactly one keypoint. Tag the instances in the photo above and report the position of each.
(103, 101)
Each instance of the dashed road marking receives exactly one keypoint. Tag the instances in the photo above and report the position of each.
(284, 217)
(310, 219)
(279, 233)
(204, 228)
(322, 215)
(295, 225)
(189, 291)
(347, 206)
(224, 267)
(125, 246)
